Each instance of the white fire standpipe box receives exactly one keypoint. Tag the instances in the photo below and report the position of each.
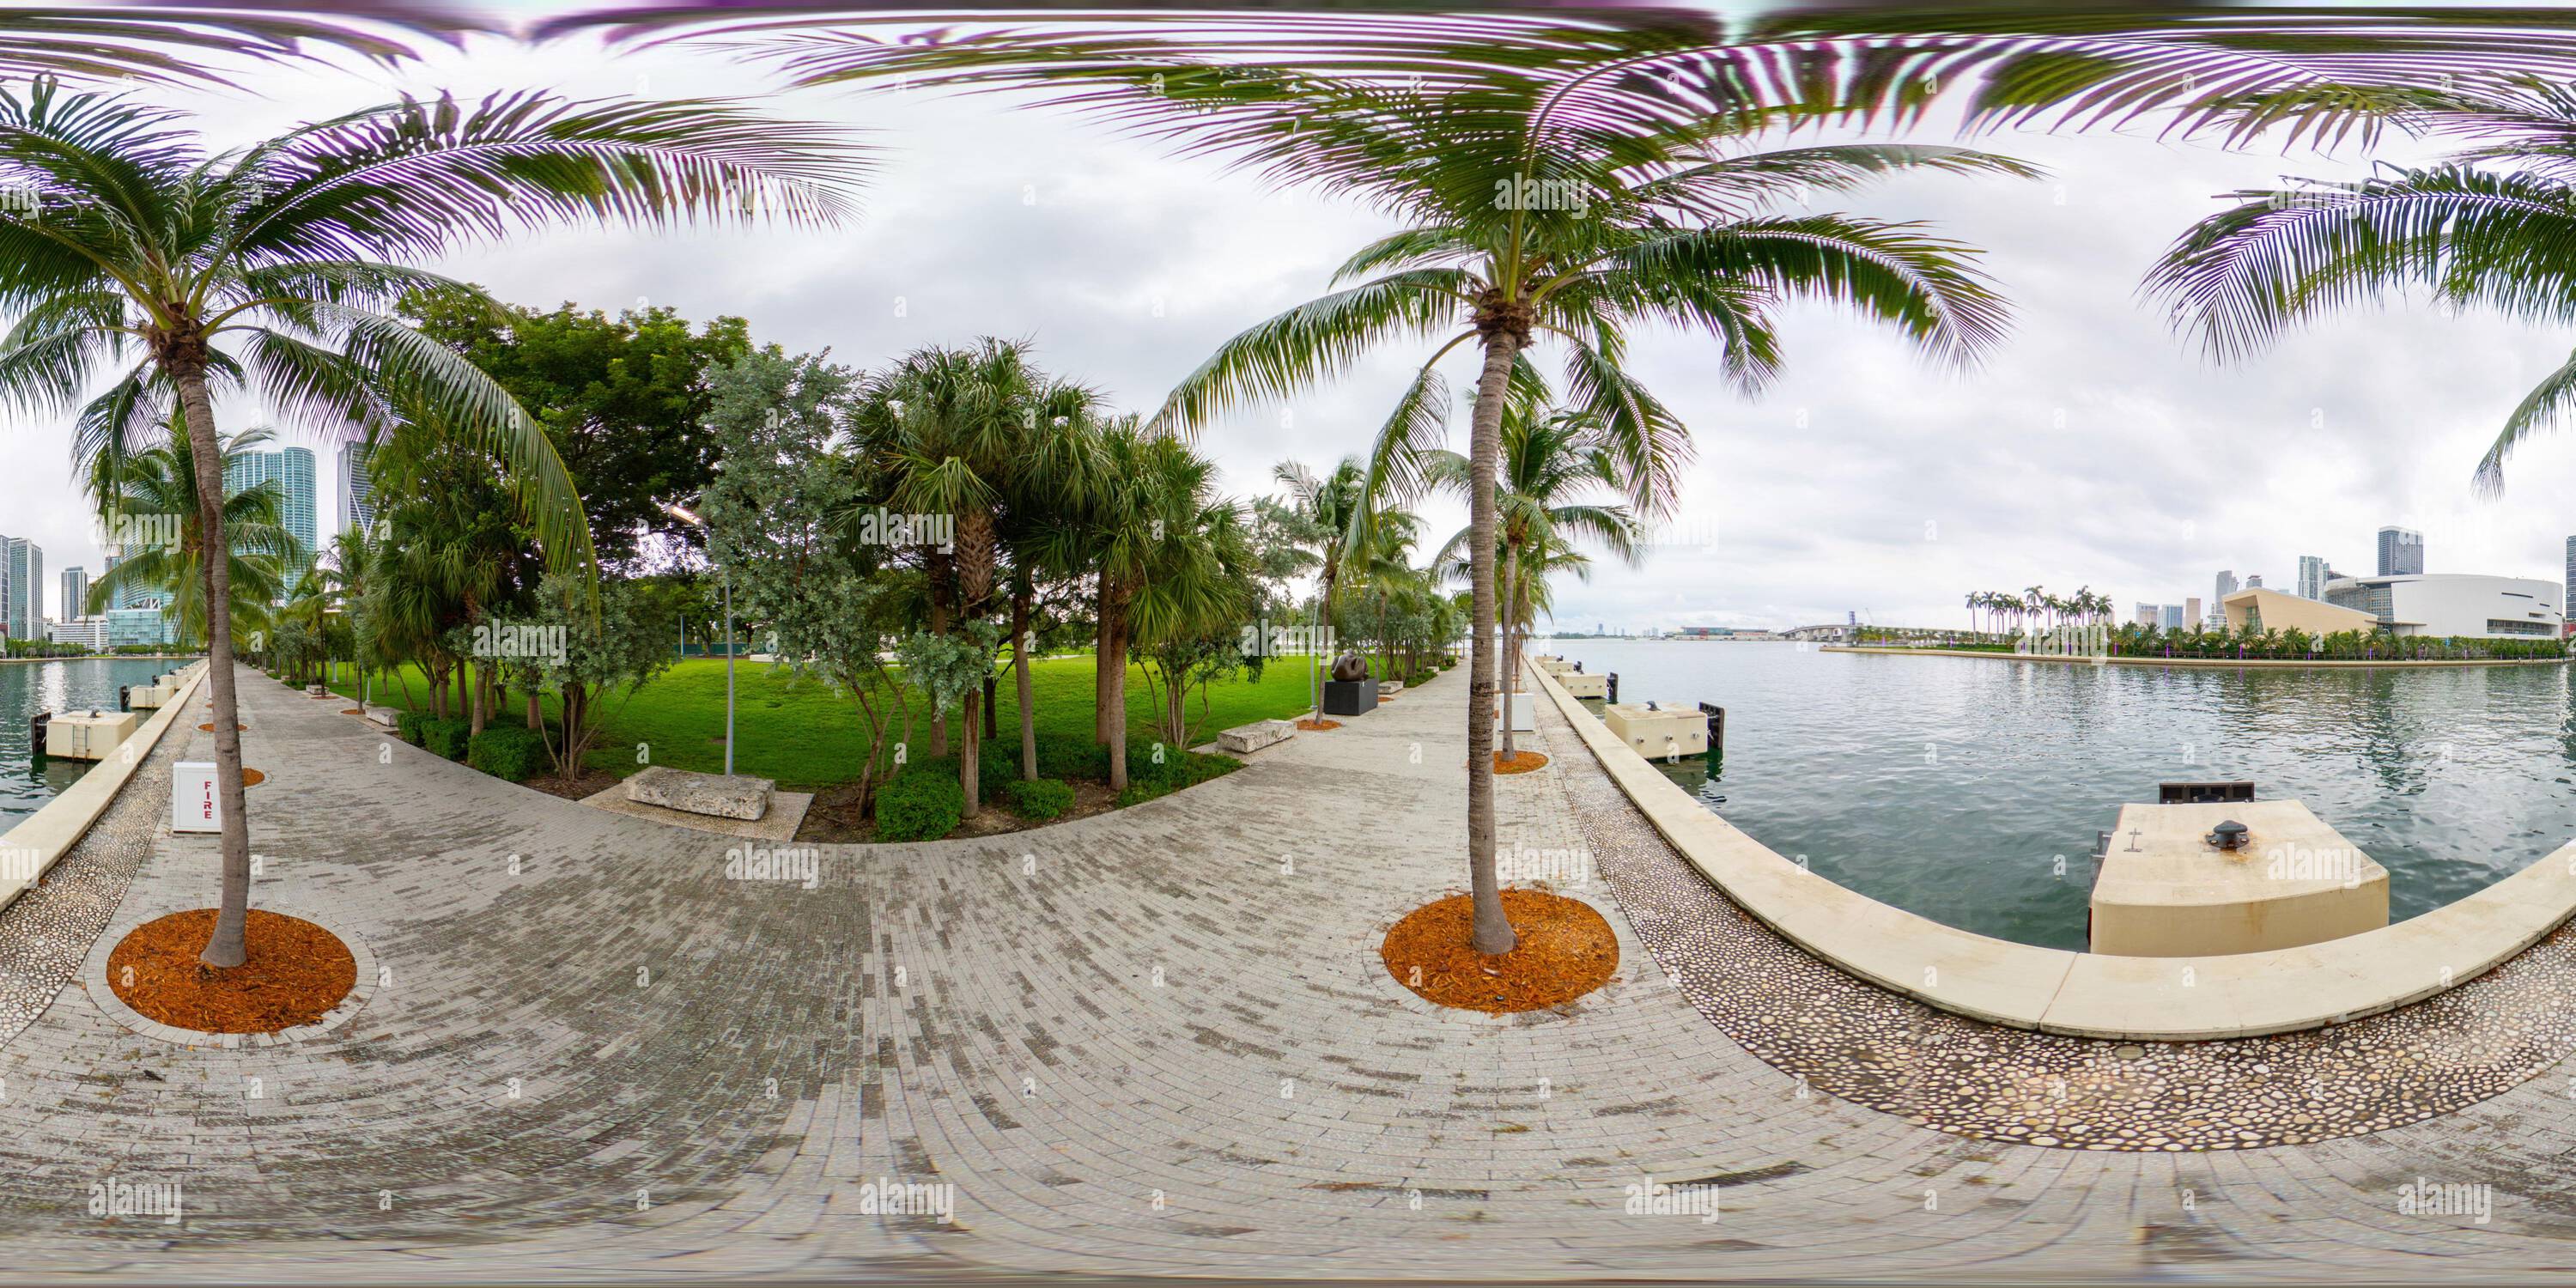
(194, 804)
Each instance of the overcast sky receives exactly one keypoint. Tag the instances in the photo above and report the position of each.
(2097, 448)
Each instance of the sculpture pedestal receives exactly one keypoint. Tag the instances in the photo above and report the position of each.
(1349, 697)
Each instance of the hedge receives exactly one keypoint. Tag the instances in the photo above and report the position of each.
(921, 804)
(514, 752)
(410, 725)
(446, 737)
(1037, 801)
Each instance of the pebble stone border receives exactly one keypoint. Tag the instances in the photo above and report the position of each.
(94, 981)
(1851, 1039)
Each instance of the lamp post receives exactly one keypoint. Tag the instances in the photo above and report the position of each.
(685, 516)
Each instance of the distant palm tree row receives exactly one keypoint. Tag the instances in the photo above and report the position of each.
(2004, 608)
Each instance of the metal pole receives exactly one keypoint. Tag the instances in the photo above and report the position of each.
(728, 594)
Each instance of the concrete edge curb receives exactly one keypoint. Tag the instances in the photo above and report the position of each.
(52, 831)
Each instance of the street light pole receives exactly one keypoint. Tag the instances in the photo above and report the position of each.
(687, 516)
(727, 574)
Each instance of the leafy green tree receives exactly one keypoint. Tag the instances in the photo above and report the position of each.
(624, 399)
(134, 249)
(611, 648)
(776, 525)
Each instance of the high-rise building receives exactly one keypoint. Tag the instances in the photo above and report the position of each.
(2401, 552)
(2171, 616)
(2570, 602)
(2253, 581)
(357, 487)
(22, 602)
(75, 605)
(2218, 601)
(291, 470)
(2312, 577)
(2149, 614)
(2191, 610)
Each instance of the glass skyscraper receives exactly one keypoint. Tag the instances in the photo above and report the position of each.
(291, 469)
(22, 588)
(357, 489)
(2401, 553)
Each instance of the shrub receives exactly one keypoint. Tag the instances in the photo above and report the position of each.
(410, 725)
(1060, 756)
(1043, 799)
(514, 752)
(921, 804)
(1424, 676)
(446, 737)
(1147, 780)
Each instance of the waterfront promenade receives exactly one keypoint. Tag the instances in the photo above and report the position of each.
(1155, 1041)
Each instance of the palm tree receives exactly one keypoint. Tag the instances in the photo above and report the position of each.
(1332, 506)
(273, 268)
(1549, 458)
(153, 492)
(1641, 229)
(951, 431)
(2490, 226)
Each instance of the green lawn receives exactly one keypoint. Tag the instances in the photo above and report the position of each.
(807, 737)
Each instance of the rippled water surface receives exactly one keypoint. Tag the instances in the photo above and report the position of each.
(1951, 786)
(29, 687)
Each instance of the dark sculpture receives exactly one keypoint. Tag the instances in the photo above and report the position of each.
(1348, 668)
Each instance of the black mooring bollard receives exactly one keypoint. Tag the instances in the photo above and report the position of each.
(36, 734)
(1611, 687)
(1716, 731)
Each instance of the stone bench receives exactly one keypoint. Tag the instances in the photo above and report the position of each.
(1385, 687)
(386, 717)
(1257, 735)
(740, 796)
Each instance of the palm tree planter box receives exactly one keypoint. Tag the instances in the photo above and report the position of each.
(1349, 697)
(739, 796)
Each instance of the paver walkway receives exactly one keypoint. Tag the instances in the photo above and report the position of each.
(1151, 1042)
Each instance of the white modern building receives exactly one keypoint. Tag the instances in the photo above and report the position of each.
(89, 632)
(75, 605)
(2466, 605)
(2312, 577)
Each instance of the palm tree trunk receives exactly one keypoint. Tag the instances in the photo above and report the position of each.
(1113, 700)
(225, 946)
(1511, 659)
(1020, 668)
(1493, 930)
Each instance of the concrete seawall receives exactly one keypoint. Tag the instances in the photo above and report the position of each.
(2176, 999)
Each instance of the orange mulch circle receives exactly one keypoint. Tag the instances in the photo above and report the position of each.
(296, 973)
(209, 727)
(354, 711)
(1566, 950)
(1318, 726)
(1519, 762)
(252, 777)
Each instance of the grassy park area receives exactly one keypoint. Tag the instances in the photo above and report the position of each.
(810, 738)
